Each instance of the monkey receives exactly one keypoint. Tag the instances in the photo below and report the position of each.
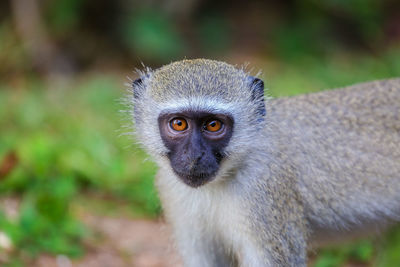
(248, 180)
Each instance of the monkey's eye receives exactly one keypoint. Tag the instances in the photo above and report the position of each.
(178, 124)
(213, 125)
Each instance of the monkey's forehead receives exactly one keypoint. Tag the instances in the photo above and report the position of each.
(199, 77)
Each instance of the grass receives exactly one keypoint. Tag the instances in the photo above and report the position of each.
(70, 153)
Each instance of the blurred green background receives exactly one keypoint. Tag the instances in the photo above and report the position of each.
(65, 142)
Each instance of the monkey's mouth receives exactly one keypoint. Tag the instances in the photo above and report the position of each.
(195, 179)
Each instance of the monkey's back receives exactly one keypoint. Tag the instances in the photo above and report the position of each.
(345, 145)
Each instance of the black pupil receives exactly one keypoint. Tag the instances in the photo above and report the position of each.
(213, 123)
(179, 122)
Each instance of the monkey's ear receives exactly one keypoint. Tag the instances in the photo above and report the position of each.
(257, 90)
(138, 86)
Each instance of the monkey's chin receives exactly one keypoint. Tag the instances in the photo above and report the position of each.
(195, 180)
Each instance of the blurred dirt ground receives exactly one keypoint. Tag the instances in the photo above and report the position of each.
(120, 242)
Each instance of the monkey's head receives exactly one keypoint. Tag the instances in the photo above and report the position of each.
(201, 116)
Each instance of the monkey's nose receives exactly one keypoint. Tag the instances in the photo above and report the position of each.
(196, 160)
(199, 157)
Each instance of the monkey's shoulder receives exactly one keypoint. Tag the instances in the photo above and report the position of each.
(370, 103)
(373, 93)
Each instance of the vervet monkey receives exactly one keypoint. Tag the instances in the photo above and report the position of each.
(250, 181)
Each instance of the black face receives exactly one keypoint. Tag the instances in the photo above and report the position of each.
(196, 141)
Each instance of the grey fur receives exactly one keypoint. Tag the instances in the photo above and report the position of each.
(318, 164)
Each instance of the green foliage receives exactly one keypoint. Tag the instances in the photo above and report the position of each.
(319, 27)
(153, 35)
(67, 145)
(45, 222)
(360, 252)
(388, 253)
(309, 74)
(367, 15)
(214, 34)
(64, 15)
(151, 31)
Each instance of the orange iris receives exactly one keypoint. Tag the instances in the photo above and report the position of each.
(178, 124)
(213, 125)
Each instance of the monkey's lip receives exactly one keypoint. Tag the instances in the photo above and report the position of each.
(195, 180)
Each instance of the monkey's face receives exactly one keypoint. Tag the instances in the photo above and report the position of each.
(201, 118)
(196, 142)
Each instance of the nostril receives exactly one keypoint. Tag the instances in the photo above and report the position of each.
(200, 156)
